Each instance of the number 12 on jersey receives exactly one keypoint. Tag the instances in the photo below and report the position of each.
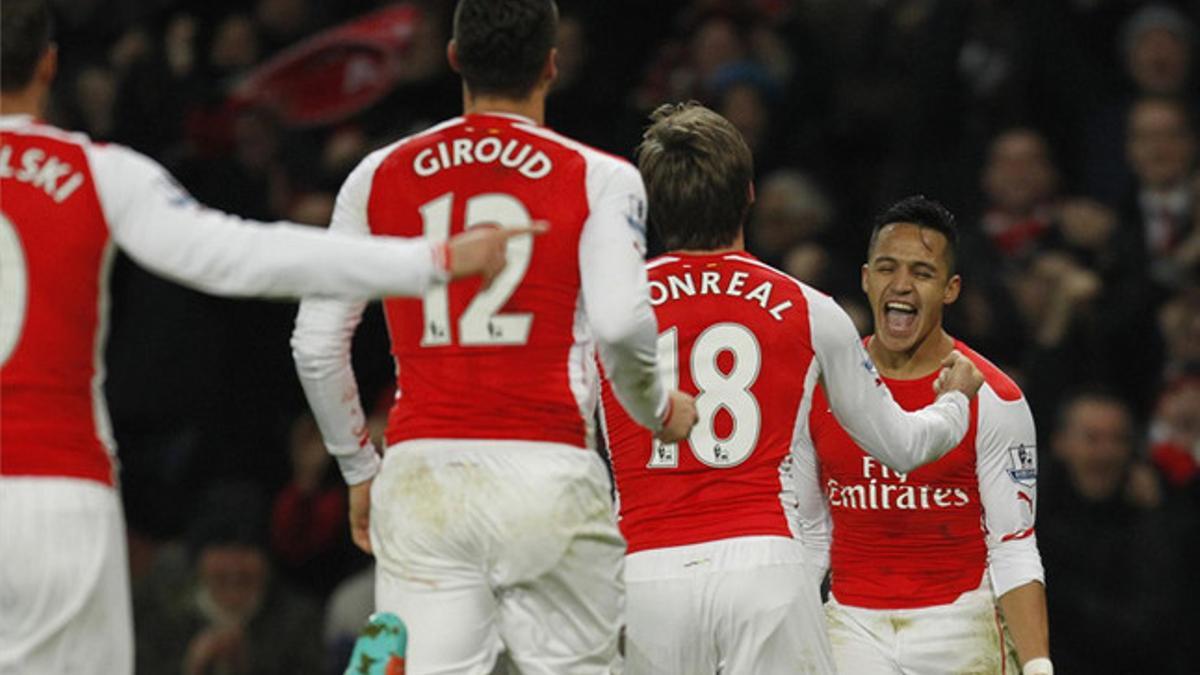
(718, 390)
(480, 323)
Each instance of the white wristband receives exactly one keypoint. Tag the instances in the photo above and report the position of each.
(1038, 666)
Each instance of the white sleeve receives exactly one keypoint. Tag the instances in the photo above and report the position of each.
(811, 520)
(321, 347)
(864, 406)
(615, 291)
(1006, 465)
(161, 227)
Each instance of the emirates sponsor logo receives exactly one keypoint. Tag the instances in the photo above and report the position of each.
(882, 489)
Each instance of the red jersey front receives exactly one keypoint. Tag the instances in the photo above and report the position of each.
(735, 333)
(922, 538)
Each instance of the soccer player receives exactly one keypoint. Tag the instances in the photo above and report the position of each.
(920, 558)
(65, 202)
(715, 574)
(490, 517)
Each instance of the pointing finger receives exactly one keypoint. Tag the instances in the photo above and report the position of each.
(536, 227)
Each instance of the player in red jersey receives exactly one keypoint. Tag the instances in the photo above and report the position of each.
(715, 572)
(490, 517)
(921, 558)
(65, 202)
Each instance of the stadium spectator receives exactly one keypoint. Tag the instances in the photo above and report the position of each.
(1162, 149)
(1155, 47)
(309, 535)
(1020, 185)
(1175, 432)
(1111, 547)
(1179, 326)
(226, 612)
(789, 209)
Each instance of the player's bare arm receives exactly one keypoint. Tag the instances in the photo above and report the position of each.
(360, 515)
(1024, 610)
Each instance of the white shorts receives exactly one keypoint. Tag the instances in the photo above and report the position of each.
(965, 636)
(64, 584)
(743, 605)
(487, 545)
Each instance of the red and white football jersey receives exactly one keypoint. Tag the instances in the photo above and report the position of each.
(64, 201)
(925, 537)
(514, 361)
(751, 343)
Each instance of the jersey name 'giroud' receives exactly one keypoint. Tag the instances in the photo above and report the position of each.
(530, 163)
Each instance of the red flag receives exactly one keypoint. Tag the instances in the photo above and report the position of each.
(335, 73)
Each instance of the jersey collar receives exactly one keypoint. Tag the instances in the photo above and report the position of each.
(15, 121)
(512, 116)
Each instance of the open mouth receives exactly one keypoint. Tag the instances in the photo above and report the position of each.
(899, 318)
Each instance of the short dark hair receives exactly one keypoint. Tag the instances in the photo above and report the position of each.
(697, 169)
(24, 38)
(922, 212)
(1090, 392)
(502, 44)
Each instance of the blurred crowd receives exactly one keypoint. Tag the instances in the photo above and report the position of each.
(1063, 134)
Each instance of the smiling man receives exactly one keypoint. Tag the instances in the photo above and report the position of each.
(920, 560)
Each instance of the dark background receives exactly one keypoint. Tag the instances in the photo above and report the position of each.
(848, 107)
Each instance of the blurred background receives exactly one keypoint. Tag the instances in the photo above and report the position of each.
(1062, 133)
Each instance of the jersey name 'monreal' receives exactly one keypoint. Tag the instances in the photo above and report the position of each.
(717, 282)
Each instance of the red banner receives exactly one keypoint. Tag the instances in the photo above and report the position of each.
(336, 73)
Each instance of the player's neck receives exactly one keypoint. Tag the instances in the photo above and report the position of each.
(24, 102)
(924, 359)
(533, 107)
(738, 245)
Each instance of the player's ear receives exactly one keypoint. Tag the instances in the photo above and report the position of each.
(953, 288)
(47, 66)
(750, 194)
(550, 69)
(452, 55)
(865, 267)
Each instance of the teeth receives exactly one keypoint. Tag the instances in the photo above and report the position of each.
(900, 307)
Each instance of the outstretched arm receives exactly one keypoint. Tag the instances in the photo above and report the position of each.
(161, 227)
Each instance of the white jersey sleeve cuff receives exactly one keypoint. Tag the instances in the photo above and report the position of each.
(358, 465)
(1015, 563)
